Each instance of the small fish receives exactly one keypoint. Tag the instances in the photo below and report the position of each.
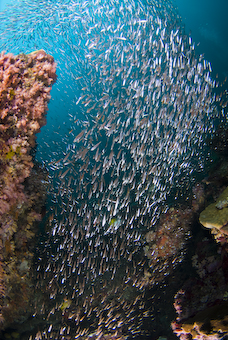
(64, 174)
(79, 136)
(95, 146)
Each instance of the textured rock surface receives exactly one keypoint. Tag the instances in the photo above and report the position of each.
(212, 321)
(215, 217)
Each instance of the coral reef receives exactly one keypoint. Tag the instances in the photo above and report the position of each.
(211, 323)
(215, 217)
(205, 291)
(165, 246)
(25, 84)
(201, 303)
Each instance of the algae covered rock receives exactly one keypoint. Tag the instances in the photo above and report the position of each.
(215, 216)
(210, 323)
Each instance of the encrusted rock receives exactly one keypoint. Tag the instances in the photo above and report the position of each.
(215, 216)
(211, 322)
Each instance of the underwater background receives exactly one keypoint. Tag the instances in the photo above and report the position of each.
(126, 158)
(205, 21)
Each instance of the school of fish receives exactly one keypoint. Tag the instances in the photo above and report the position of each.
(146, 104)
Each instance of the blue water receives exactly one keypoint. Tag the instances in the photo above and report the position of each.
(204, 20)
(207, 22)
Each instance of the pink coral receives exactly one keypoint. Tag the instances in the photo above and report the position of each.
(25, 84)
(24, 93)
(166, 245)
(170, 237)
